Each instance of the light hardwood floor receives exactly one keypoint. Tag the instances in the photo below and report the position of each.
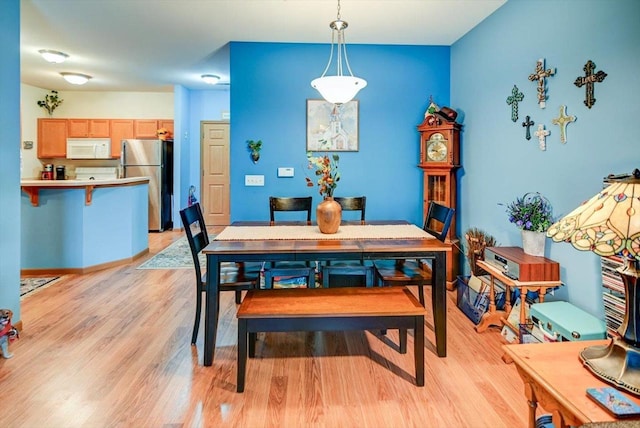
(112, 349)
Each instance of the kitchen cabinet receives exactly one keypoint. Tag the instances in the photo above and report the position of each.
(52, 138)
(85, 128)
(145, 128)
(166, 124)
(121, 129)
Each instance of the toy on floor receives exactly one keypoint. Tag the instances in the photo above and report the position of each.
(8, 333)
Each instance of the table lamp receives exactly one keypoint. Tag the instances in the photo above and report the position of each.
(609, 224)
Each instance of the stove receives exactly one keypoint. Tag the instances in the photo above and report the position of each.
(96, 173)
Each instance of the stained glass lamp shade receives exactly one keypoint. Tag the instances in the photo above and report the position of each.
(609, 224)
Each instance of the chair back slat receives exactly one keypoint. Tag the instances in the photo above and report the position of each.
(438, 221)
(196, 231)
(289, 204)
(353, 203)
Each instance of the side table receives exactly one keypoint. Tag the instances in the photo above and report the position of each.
(497, 317)
(555, 378)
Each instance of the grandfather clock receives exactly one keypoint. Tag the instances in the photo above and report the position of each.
(439, 161)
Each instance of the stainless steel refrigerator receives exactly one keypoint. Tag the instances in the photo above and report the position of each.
(153, 159)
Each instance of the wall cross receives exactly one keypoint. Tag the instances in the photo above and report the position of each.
(589, 79)
(513, 100)
(542, 134)
(540, 75)
(562, 121)
(528, 123)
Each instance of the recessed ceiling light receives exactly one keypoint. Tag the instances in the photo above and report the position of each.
(76, 78)
(211, 79)
(55, 57)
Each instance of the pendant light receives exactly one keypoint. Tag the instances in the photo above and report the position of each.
(338, 89)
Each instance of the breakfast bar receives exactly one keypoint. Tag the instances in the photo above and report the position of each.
(77, 226)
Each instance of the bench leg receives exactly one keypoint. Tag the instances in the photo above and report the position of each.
(403, 340)
(253, 338)
(242, 354)
(418, 350)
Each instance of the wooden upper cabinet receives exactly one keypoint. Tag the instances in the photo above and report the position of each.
(166, 124)
(88, 128)
(52, 138)
(145, 128)
(121, 129)
(148, 128)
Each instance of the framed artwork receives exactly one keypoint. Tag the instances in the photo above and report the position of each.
(332, 127)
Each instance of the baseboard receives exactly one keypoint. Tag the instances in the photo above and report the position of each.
(83, 270)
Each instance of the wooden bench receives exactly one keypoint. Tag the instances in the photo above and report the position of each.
(330, 309)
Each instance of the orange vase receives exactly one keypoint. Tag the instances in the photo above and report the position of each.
(328, 215)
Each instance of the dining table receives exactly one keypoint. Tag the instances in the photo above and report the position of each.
(259, 241)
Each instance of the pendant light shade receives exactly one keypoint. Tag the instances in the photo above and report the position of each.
(338, 89)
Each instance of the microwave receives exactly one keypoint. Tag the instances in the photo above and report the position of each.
(88, 148)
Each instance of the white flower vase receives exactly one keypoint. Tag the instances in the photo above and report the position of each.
(533, 242)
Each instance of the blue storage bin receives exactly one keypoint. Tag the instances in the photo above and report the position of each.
(472, 303)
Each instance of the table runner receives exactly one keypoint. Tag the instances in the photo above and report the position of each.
(347, 232)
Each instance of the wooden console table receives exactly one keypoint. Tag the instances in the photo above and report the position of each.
(554, 377)
(497, 317)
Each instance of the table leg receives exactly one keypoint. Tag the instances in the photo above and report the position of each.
(418, 349)
(439, 302)
(492, 316)
(242, 354)
(531, 401)
(212, 308)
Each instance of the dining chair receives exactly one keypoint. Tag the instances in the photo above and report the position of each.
(277, 206)
(198, 238)
(282, 204)
(416, 272)
(349, 273)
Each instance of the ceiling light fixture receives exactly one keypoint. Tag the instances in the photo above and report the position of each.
(55, 57)
(211, 79)
(338, 89)
(76, 78)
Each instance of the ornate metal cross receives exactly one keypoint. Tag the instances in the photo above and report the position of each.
(542, 134)
(589, 79)
(528, 123)
(562, 121)
(513, 101)
(540, 75)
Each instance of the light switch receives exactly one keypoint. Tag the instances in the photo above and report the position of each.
(254, 180)
(285, 172)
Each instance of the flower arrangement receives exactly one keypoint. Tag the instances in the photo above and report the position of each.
(327, 171)
(531, 212)
(50, 102)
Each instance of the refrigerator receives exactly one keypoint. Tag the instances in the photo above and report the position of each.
(153, 159)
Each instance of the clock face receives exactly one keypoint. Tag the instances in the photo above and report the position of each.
(437, 148)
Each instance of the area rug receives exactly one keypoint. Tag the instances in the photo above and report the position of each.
(175, 256)
(30, 285)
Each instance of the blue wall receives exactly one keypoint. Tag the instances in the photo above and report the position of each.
(9, 157)
(271, 83)
(500, 164)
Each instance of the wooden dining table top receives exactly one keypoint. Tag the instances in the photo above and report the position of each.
(325, 244)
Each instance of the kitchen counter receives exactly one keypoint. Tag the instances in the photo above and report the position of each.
(78, 226)
(32, 187)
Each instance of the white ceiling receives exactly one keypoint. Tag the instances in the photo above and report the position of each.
(151, 45)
